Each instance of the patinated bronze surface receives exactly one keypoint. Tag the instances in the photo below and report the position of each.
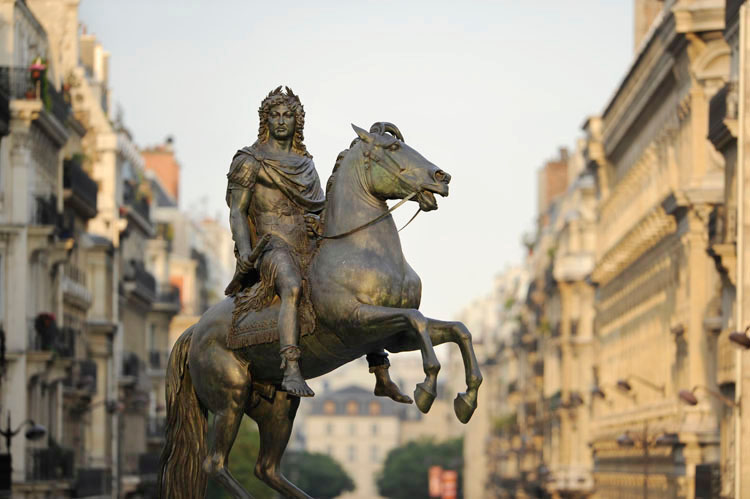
(348, 268)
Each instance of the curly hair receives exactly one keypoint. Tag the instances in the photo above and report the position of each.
(275, 98)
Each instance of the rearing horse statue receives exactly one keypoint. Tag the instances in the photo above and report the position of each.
(365, 297)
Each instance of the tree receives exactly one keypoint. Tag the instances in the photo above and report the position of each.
(242, 465)
(319, 475)
(404, 475)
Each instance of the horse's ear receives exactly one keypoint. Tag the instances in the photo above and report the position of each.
(366, 136)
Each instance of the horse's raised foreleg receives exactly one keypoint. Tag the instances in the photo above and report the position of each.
(275, 419)
(441, 332)
(389, 321)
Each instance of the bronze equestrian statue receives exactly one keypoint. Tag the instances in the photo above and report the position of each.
(352, 291)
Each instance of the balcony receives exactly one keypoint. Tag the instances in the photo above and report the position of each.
(80, 189)
(45, 211)
(93, 482)
(168, 299)
(131, 368)
(16, 84)
(51, 463)
(138, 280)
(44, 336)
(82, 377)
(136, 206)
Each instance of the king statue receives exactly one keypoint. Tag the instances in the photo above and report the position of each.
(275, 199)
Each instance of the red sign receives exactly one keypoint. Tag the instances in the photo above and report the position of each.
(435, 482)
(450, 484)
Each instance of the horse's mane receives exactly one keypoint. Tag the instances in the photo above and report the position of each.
(331, 183)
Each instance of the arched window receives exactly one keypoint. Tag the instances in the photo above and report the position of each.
(375, 408)
(352, 407)
(329, 407)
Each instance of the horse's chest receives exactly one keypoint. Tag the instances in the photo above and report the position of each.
(390, 287)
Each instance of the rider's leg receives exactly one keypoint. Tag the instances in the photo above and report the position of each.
(289, 288)
(384, 385)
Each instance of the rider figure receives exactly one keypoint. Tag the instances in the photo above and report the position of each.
(273, 189)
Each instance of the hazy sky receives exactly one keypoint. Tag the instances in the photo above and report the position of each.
(486, 90)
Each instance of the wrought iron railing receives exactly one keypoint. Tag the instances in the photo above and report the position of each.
(138, 204)
(82, 376)
(78, 181)
(93, 482)
(45, 336)
(49, 463)
(169, 294)
(45, 211)
(16, 83)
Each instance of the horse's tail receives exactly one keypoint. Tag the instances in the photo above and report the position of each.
(181, 474)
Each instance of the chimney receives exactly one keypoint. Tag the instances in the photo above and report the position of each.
(645, 13)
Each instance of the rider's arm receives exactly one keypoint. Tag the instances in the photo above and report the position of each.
(239, 203)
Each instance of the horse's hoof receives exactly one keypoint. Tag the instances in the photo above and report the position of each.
(423, 398)
(463, 408)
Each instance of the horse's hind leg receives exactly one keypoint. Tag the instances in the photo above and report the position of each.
(440, 332)
(223, 387)
(275, 419)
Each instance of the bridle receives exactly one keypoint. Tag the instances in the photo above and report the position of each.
(389, 165)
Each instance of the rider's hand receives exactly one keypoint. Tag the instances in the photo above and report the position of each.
(313, 225)
(243, 262)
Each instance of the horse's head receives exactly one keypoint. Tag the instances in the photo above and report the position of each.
(395, 170)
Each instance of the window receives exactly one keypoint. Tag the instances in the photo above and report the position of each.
(352, 407)
(374, 408)
(352, 429)
(329, 428)
(352, 453)
(374, 454)
(329, 407)
(374, 429)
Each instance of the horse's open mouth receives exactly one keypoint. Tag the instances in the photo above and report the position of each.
(427, 201)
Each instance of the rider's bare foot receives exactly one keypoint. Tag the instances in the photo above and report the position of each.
(293, 382)
(385, 387)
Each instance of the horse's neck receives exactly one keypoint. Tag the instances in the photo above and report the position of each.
(350, 205)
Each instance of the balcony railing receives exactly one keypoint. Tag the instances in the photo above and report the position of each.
(50, 463)
(83, 190)
(169, 295)
(145, 283)
(16, 83)
(44, 336)
(138, 204)
(45, 211)
(131, 365)
(93, 482)
(82, 376)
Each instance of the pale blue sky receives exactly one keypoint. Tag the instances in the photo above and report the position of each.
(486, 90)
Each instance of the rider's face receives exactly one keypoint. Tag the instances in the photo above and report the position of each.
(281, 122)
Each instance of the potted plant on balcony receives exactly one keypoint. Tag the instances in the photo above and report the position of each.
(37, 71)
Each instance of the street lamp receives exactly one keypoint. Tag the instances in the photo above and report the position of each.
(624, 383)
(688, 396)
(740, 338)
(35, 432)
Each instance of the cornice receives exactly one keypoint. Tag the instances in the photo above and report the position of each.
(651, 229)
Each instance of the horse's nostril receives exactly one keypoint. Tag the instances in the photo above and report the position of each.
(443, 177)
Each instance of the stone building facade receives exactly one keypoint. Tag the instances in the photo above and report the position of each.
(637, 282)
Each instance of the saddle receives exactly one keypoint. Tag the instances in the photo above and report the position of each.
(256, 312)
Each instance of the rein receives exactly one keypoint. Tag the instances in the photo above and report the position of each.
(392, 169)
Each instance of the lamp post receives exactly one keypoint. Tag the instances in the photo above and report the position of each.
(35, 432)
